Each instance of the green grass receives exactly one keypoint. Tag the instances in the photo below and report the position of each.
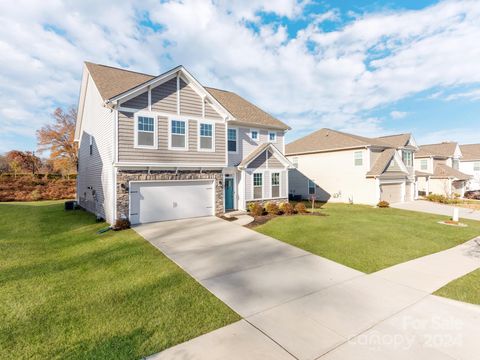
(466, 288)
(67, 292)
(366, 238)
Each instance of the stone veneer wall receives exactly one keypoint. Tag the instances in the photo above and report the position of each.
(125, 176)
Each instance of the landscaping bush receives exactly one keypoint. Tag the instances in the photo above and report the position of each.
(272, 208)
(121, 224)
(301, 208)
(255, 209)
(442, 199)
(383, 204)
(287, 208)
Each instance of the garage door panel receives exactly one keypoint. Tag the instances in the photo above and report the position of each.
(391, 193)
(161, 201)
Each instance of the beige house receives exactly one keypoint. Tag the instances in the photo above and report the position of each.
(470, 164)
(437, 170)
(335, 166)
(154, 148)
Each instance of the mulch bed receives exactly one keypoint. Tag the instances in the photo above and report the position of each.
(263, 219)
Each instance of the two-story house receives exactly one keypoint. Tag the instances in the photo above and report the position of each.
(437, 169)
(470, 164)
(154, 148)
(335, 166)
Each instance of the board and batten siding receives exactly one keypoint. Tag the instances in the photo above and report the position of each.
(95, 171)
(127, 152)
(245, 145)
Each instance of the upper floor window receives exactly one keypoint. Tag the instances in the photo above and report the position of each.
(254, 135)
(295, 162)
(407, 157)
(257, 185)
(145, 131)
(232, 140)
(424, 164)
(476, 166)
(358, 158)
(206, 137)
(455, 163)
(178, 134)
(311, 187)
(275, 185)
(272, 136)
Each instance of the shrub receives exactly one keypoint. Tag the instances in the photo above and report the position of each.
(255, 209)
(287, 208)
(383, 204)
(300, 208)
(272, 208)
(442, 199)
(121, 224)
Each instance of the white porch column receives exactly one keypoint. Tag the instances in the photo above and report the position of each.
(427, 186)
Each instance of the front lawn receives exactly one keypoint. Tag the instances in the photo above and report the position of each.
(67, 292)
(466, 288)
(366, 238)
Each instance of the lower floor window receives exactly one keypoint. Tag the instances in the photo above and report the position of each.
(311, 187)
(275, 185)
(257, 186)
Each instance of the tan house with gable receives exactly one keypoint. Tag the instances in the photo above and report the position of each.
(154, 148)
(437, 170)
(337, 166)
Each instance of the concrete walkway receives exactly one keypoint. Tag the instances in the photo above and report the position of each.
(436, 208)
(297, 305)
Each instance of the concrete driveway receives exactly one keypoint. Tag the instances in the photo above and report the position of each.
(297, 305)
(436, 208)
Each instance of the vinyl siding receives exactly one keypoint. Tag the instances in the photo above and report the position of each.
(259, 162)
(274, 162)
(95, 172)
(127, 152)
(190, 101)
(211, 113)
(246, 145)
(140, 102)
(164, 97)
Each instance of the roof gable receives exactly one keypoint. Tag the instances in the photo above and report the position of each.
(470, 152)
(389, 160)
(399, 140)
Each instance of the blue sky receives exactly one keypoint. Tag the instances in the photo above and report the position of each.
(367, 67)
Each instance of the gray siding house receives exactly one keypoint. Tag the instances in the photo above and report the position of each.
(155, 148)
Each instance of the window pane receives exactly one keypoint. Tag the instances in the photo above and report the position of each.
(272, 136)
(232, 134)
(275, 191)
(275, 178)
(311, 187)
(358, 155)
(476, 166)
(257, 192)
(254, 135)
(145, 123)
(206, 130)
(178, 127)
(423, 164)
(145, 138)
(205, 142)
(257, 179)
(178, 141)
(295, 162)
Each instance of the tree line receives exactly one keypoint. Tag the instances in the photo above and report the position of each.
(57, 139)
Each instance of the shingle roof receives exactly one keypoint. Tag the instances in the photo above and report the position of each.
(470, 152)
(112, 81)
(422, 173)
(445, 149)
(397, 141)
(328, 139)
(445, 171)
(382, 162)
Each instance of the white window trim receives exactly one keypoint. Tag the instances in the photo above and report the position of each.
(276, 136)
(279, 184)
(475, 164)
(355, 159)
(314, 187)
(262, 186)
(155, 130)
(258, 135)
(213, 135)
(177, 118)
(295, 163)
(236, 139)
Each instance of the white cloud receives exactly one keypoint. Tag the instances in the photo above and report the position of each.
(373, 61)
(398, 114)
(472, 95)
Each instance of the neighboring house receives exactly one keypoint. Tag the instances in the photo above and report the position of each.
(470, 164)
(437, 169)
(155, 148)
(336, 166)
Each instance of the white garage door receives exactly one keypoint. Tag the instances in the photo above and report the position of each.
(391, 193)
(170, 200)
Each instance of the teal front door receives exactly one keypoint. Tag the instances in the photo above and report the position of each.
(229, 194)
